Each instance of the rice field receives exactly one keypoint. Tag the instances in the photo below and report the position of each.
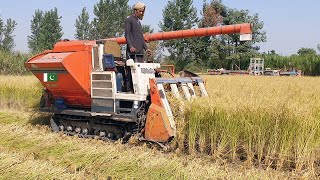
(269, 123)
(261, 121)
(19, 92)
(33, 152)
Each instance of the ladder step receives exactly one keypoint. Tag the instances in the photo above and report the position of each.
(125, 109)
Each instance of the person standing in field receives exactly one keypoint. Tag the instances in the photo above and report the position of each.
(134, 35)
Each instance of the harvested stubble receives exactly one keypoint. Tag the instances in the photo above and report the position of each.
(264, 121)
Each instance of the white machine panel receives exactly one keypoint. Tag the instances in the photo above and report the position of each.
(141, 73)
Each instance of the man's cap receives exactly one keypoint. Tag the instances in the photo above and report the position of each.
(138, 6)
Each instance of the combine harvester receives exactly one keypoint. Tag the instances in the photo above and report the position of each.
(93, 94)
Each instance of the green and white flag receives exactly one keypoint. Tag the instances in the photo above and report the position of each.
(50, 77)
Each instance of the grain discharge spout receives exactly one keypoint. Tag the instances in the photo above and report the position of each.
(244, 30)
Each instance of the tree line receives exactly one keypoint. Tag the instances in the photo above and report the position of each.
(222, 51)
(305, 60)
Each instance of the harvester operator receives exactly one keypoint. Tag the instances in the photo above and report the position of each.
(134, 35)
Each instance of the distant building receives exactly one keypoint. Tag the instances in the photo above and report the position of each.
(256, 66)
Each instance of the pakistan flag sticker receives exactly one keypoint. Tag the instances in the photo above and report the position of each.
(50, 77)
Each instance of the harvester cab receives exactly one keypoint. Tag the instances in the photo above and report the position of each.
(92, 93)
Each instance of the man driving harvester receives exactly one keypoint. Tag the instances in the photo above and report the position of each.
(134, 35)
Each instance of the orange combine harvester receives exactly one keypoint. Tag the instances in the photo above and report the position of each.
(92, 93)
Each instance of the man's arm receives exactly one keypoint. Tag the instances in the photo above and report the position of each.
(145, 47)
(127, 32)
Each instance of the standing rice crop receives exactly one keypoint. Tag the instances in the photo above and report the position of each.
(19, 92)
(265, 121)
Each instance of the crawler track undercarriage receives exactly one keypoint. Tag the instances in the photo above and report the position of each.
(86, 127)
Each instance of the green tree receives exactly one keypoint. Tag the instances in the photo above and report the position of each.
(51, 30)
(122, 10)
(83, 26)
(239, 53)
(212, 53)
(306, 51)
(147, 29)
(213, 13)
(7, 41)
(153, 45)
(33, 39)
(179, 15)
(45, 30)
(1, 29)
(226, 50)
(110, 17)
(272, 52)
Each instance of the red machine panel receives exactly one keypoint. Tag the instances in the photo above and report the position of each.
(65, 74)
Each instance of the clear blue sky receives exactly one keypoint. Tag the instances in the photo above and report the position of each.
(289, 24)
